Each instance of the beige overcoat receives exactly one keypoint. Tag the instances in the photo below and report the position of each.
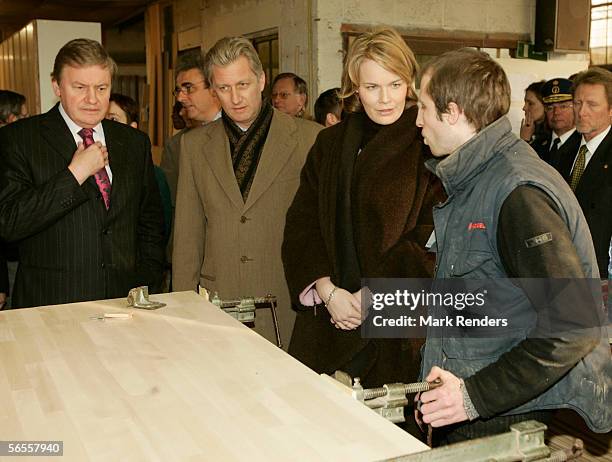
(229, 246)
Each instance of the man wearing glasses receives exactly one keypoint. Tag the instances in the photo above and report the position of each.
(201, 105)
(191, 91)
(558, 106)
(290, 94)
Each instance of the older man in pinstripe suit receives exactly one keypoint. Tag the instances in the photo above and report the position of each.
(78, 192)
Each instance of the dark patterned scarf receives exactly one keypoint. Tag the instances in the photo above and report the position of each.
(246, 146)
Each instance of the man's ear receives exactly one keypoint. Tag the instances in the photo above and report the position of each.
(134, 124)
(453, 113)
(56, 88)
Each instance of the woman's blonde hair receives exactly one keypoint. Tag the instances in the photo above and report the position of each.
(386, 47)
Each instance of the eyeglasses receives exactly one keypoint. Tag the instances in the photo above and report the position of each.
(187, 88)
(282, 95)
(561, 107)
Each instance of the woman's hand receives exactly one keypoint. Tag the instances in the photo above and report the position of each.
(345, 310)
(527, 127)
(344, 307)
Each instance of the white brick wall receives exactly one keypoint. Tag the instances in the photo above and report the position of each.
(512, 16)
(314, 49)
(221, 18)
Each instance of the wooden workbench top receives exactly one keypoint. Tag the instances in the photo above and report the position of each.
(186, 382)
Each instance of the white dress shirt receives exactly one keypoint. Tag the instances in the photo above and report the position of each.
(562, 139)
(98, 135)
(592, 146)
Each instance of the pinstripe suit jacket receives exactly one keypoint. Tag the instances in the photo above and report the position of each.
(71, 248)
(225, 244)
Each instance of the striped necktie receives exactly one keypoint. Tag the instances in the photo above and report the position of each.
(578, 169)
(101, 176)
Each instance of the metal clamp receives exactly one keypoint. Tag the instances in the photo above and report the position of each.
(390, 399)
(139, 298)
(245, 309)
(524, 442)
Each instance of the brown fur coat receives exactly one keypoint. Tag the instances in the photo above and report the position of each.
(392, 197)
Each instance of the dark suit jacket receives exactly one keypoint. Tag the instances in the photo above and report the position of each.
(8, 253)
(70, 247)
(4, 281)
(594, 193)
(542, 147)
(567, 149)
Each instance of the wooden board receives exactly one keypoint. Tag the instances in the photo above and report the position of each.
(186, 382)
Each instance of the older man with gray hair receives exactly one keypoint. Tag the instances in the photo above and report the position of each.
(77, 192)
(238, 176)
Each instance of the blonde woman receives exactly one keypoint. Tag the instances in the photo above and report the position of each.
(363, 209)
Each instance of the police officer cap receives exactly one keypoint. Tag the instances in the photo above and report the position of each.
(557, 90)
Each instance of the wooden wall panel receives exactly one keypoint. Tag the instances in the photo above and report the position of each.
(154, 72)
(20, 78)
(11, 62)
(161, 54)
(19, 66)
(33, 68)
(2, 67)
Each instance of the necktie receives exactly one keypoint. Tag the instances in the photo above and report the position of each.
(551, 155)
(578, 167)
(101, 176)
(555, 146)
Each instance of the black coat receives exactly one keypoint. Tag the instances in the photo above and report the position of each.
(70, 247)
(569, 148)
(541, 140)
(4, 281)
(392, 198)
(594, 193)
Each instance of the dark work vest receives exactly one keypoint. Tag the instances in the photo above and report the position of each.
(478, 178)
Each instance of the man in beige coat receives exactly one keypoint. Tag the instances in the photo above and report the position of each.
(238, 176)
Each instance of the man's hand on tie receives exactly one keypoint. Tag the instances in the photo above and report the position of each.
(87, 161)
